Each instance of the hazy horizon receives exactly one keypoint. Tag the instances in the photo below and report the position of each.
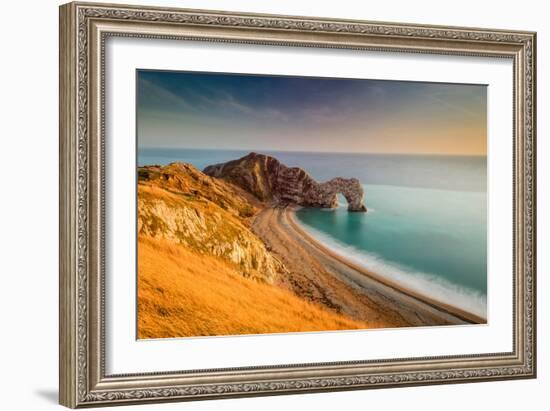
(260, 151)
(209, 111)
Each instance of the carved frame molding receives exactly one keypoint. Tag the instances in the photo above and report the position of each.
(84, 28)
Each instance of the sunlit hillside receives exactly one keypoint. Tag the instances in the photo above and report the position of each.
(202, 271)
(184, 293)
(180, 204)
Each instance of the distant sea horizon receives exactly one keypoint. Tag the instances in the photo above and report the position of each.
(454, 177)
(259, 150)
(426, 220)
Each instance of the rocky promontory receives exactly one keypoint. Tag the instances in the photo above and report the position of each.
(269, 180)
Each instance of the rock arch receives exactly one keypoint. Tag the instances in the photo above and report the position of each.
(325, 194)
(270, 180)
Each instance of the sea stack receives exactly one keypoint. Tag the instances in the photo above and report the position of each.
(269, 180)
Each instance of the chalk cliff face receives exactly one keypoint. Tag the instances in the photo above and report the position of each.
(270, 180)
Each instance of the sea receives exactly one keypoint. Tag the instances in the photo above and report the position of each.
(426, 224)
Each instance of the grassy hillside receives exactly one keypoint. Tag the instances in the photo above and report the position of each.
(214, 259)
(180, 204)
(185, 179)
(202, 271)
(184, 293)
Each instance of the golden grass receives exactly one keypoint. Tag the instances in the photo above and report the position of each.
(182, 293)
(184, 179)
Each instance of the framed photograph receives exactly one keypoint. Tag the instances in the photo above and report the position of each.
(260, 204)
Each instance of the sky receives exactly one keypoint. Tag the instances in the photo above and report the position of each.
(283, 113)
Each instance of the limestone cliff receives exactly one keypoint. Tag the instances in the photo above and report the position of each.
(270, 180)
(180, 204)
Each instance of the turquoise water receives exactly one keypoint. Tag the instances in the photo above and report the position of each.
(434, 241)
(426, 222)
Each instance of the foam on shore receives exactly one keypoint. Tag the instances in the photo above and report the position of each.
(426, 284)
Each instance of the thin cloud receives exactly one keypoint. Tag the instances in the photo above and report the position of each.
(153, 95)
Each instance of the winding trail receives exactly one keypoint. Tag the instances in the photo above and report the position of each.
(317, 274)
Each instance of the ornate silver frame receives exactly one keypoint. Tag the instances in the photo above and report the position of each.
(84, 27)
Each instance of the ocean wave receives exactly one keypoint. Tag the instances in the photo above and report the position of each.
(427, 284)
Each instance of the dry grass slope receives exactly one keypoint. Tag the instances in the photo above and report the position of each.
(179, 203)
(185, 179)
(183, 293)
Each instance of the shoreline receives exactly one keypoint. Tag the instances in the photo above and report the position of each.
(462, 314)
